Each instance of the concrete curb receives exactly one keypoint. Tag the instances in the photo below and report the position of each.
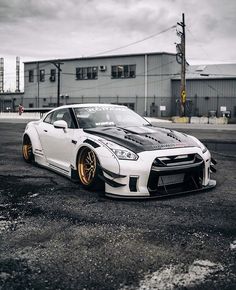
(200, 120)
(16, 116)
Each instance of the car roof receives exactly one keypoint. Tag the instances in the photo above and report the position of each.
(88, 105)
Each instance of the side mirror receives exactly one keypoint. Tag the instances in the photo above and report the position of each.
(60, 124)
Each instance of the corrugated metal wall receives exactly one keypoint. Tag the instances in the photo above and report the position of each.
(160, 72)
(207, 95)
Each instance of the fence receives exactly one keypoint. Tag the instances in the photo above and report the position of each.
(205, 106)
(151, 106)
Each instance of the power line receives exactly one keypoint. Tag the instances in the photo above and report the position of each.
(136, 42)
(141, 73)
(110, 82)
(127, 45)
(205, 51)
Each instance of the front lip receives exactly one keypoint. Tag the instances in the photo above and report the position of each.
(211, 185)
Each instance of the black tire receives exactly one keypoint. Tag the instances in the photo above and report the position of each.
(27, 150)
(88, 170)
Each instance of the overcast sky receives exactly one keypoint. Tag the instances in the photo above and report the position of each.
(46, 29)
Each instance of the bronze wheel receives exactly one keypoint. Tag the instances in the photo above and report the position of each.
(87, 166)
(27, 150)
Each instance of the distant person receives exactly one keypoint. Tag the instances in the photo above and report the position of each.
(20, 109)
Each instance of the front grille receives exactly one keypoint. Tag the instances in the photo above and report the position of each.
(176, 160)
(176, 174)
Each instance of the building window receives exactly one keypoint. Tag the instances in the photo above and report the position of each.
(42, 75)
(31, 76)
(52, 75)
(123, 71)
(87, 73)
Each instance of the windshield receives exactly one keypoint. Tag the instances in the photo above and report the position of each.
(107, 116)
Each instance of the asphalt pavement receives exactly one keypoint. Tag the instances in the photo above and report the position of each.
(55, 235)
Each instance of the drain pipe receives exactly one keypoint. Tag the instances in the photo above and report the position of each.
(145, 85)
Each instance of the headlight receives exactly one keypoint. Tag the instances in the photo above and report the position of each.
(202, 146)
(121, 152)
(125, 154)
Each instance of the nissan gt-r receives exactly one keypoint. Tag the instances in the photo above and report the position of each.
(111, 148)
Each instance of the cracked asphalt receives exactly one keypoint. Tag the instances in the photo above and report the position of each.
(55, 235)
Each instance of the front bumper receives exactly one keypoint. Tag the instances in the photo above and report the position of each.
(144, 178)
(211, 185)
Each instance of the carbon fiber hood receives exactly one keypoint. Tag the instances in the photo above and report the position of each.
(145, 138)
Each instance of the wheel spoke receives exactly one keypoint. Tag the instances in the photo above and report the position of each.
(27, 150)
(87, 166)
(87, 160)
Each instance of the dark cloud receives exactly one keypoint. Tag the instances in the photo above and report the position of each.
(19, 10)
(39, 29)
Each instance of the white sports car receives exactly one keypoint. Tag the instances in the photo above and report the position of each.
(111, 148)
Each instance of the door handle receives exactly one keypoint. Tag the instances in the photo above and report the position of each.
(45, 130)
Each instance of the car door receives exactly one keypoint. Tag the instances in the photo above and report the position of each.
(57, 142)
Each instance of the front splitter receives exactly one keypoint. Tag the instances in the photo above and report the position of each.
(211, 185)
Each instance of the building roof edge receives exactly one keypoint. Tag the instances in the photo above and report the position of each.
(99, 57)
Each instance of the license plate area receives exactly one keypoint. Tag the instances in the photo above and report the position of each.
(166, 180)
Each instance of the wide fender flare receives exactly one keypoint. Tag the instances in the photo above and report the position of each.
(32, 133)
(105, 157)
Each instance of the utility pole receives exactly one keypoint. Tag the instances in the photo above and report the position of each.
(1, 75)
(17, 74)
(58, 66)
(37, 99)
(58, 82)
(181, 58)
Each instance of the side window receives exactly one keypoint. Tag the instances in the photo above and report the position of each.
(48, 118)
(63, 114)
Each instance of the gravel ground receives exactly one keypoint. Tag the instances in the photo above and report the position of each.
(54, 235)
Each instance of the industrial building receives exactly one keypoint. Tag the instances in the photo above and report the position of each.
(9, 101)
(211, 89)
(148, 83)
(139, 81)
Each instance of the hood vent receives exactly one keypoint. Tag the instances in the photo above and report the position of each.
(172, 135)
(152, 138)
(134, 139)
